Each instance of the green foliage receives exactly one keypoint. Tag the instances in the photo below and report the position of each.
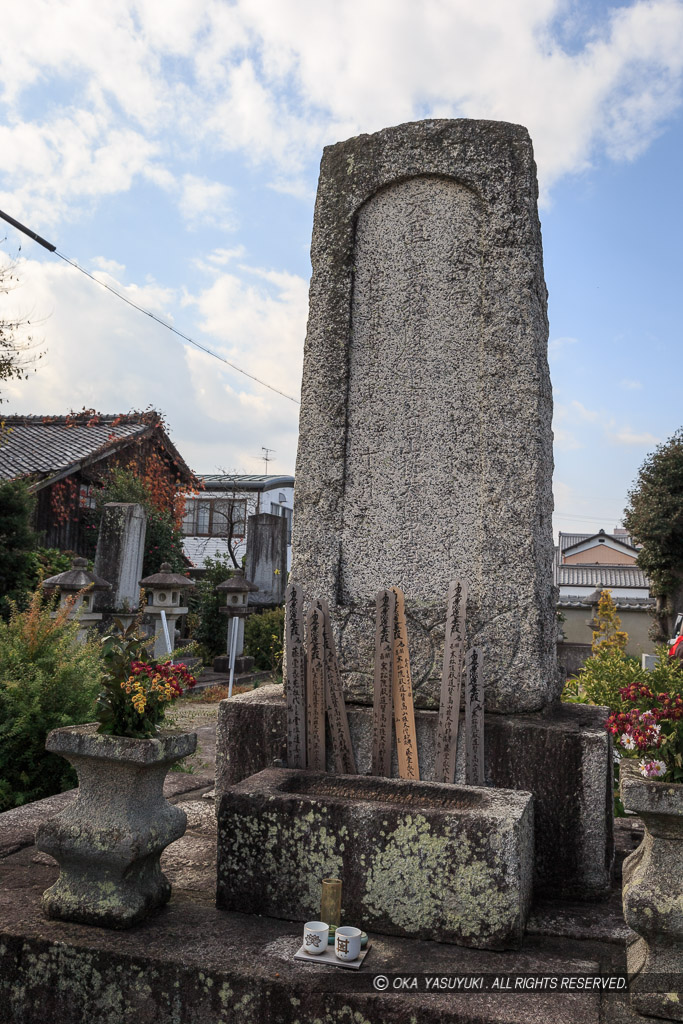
(264, 639)
(207, 625)
(654, 515)
(601, 678)
(17, 541)
(46, 562)
(609, 668)
(47, 680)
(163, 541)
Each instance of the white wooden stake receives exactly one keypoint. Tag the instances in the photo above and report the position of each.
(233, 652)
(164, 623)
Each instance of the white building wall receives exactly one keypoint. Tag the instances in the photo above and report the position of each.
(197, 549)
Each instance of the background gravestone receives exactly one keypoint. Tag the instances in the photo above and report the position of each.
(425, 446)
(119, 556)
(267, 558)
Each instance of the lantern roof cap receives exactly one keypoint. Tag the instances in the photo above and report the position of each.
(166, 578)
(76, 578)
(237, 584)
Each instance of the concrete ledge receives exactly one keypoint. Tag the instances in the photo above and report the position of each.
(192, 964)
(561, 755)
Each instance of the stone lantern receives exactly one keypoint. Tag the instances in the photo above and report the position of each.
(69, 584)
(236, 591)
(166, 592)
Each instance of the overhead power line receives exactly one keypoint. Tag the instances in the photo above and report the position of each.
(141, 309)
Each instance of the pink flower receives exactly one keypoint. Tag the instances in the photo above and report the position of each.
(652, 769)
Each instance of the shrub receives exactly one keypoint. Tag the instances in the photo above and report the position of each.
(609, 669)
(48, 679)
(208, 626)
(264, 639)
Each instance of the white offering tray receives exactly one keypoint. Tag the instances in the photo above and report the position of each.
(330, 958)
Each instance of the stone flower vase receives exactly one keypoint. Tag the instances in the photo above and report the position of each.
(108, 840)
(653, 894)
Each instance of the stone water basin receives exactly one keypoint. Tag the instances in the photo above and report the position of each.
(424, 859)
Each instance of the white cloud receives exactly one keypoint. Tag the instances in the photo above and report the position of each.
(628, 436)
(206, 202)
(558, 346)
(630, 385)
(576, 409)
(141, 85)
(102, 354)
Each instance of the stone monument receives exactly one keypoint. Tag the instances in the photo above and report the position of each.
(425, 445)
(425, 457)
(267, 559)
(119, 557)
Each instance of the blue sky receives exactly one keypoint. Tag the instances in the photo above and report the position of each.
(172, 148)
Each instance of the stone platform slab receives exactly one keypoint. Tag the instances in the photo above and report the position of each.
(561, 755)
(193, 964)
(453, 863)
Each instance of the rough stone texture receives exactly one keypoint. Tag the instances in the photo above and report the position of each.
(192, 964)
(562, 755)
(108, 840)
(119, 556)
(425, 444)
(267, 558)
(653, 892)
(448, 863)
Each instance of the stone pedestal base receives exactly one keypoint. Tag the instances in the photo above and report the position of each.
(653, 904)
(108, 841)
(562, 755)
(243, 664)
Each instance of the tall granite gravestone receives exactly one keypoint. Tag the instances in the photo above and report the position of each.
(267, 558)
(425, 445)
(119, 557)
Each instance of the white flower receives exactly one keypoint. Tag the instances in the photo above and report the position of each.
(627, 741)
(652, 769)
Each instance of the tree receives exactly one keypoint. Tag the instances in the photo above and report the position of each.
(607, 631)
(17, 542)
(223, 515)
(654, 518)
(17, 353)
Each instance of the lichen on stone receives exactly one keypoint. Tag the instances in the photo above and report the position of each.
(406, 883)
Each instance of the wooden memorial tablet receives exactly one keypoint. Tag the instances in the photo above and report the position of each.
(474, 718)
(295, 690)
(382, 708)
(451, 684)
(404, 714)
(342, 751)
(315, 691)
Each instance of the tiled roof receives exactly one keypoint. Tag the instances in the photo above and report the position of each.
(568, 540)
(31, 447)
(599, 576)
(198, 549)
(244, 481)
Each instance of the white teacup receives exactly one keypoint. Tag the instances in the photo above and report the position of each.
(347, 943)
(316, 935)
